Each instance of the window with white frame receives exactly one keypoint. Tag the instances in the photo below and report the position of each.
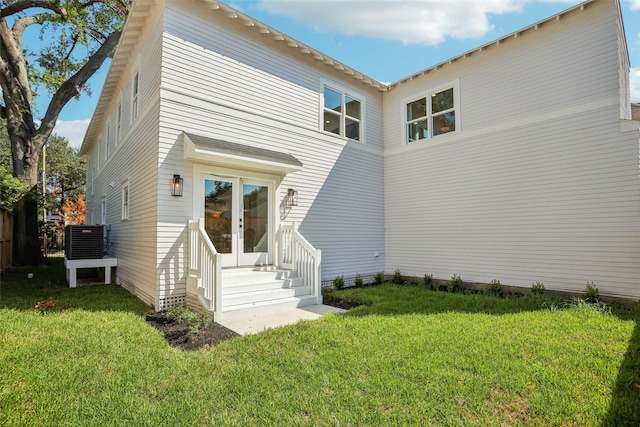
(342, 114)
(432, 114)
(134, 97)
(125, 200)
(118, 122)
(103, 210)
(107, 147)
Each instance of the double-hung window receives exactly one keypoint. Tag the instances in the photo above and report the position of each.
(431, 115)
(134, 97)
(118, 122)
(342, 114)
(125, 200)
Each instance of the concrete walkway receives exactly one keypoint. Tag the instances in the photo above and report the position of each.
(252, 322)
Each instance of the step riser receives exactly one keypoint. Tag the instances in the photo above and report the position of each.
(231, 279)
(259, 297)
(230, 289)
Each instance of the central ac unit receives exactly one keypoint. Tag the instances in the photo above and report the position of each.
(83, 241)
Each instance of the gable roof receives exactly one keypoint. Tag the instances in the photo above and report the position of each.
(141, 9)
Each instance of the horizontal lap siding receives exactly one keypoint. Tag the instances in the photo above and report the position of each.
(221, 84)
(135, 158)
(529, 205)
(518, 194)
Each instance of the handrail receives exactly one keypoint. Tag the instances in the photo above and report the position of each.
(296, 253)
(205, 264)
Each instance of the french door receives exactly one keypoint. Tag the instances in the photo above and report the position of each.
(237, 216)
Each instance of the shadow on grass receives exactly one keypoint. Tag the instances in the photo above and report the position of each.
(393, 300)
(19, 292)
(624, 409)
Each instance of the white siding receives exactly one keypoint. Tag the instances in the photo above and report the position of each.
(539, 184)
(225, 85)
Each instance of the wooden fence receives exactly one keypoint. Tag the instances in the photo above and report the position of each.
(6, 239)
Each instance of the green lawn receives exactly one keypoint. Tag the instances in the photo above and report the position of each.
(413, 357)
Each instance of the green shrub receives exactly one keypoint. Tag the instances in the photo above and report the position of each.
(591, 292)
(358, 281)
(397, 277)
(427, 281)
(190, 317)
(338, 282)
(379, 278)
(537, 288)
(495, 287)
(455, 284)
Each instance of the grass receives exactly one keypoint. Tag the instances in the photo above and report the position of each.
(413, 357)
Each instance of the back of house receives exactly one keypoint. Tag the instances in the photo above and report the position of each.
(516, 161)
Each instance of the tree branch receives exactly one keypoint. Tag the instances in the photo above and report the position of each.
(20, 6)
(72, 86)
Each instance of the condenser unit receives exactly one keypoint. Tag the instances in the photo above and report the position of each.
(83, 241)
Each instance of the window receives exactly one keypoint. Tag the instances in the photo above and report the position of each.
(103, 212)
(431, 115)
(107, 147)
(342, 114)
(125, 200)
(118, 122)
(134, 98)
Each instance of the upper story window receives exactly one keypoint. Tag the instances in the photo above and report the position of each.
(107, 146)
(431, 115)
(342, 114)
(118, 122)
(134, 97)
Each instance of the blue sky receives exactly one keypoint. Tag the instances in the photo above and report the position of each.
(386, 39)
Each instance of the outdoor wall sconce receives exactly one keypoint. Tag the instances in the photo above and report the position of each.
(292, 197)
(177, 185)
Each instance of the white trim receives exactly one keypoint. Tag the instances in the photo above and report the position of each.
(125, 186)
(135, 95)
(344, 91)
(450, 137)
(426, 93)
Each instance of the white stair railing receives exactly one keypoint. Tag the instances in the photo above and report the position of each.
(205, 265)
(296, 253)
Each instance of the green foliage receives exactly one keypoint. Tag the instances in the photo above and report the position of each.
(495, 287)
(455, 284)
(427, 281)
(358, 281)
(190, 317)
(11, 189)
(586, 304)
(591, 292)
(338, 282)
(378, 279)
(537, 288)
(65, 171)
(397, 277)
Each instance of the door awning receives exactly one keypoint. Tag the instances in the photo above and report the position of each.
(224, 153)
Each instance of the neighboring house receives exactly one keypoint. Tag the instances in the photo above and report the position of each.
(516, 161)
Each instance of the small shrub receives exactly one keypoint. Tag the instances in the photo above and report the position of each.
(579, 303)
(190, 317)
(397, 277)
(358, 281)
(455, 284)
(338, 282)
(379, 278)
(427, 281)
(495, 287)
(537, 288)
(591, 292)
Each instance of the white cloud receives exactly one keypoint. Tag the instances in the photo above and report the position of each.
(427, 22)
(634, 78)
(634, 4)
(73, 130)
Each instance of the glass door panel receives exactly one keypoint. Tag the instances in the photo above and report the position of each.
(256, 218)
(218, 214)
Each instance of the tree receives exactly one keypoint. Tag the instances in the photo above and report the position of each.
(83, 35)
(65, 171)
(73, 212)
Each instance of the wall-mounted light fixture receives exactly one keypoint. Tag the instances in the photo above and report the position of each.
(292, 197)
(177, 185)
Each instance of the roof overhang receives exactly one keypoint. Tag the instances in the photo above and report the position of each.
(213, 151)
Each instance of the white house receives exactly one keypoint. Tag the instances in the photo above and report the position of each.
(515, 161)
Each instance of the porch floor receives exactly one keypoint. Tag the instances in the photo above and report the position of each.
(253, 322)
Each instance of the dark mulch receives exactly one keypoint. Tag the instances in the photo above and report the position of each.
(180, 336)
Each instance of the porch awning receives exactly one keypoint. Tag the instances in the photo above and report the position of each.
(231, 154)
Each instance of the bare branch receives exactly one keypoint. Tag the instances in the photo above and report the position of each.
(74, 84)
(20, 6)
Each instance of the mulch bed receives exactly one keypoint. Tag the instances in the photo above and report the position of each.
(180, 336)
